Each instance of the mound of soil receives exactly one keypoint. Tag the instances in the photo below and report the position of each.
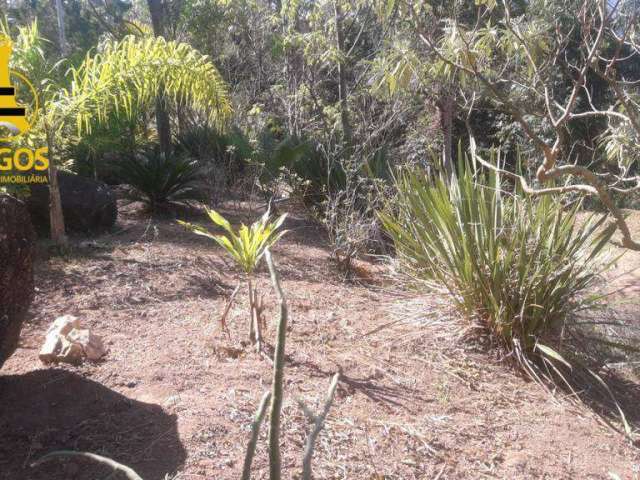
(16, 272)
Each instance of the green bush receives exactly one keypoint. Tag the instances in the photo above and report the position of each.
(302, 164)
(161, 181)
(520, 265)
(230, 150)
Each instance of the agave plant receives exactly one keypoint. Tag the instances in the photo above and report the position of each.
(247, 246)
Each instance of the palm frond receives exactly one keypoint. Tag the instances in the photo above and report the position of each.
(132, 72)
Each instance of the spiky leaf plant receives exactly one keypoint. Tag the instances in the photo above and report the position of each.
(160, 181)
(246, 245)
(520, 265)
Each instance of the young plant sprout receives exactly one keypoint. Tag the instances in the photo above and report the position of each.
(247, 245)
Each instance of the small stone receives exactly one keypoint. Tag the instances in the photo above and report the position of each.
(90, 343)
(67, 341)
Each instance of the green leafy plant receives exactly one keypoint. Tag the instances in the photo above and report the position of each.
(222, 155)
(520, 265)
(301, 164)
(247, 245)
(161, 181)
(124, 77)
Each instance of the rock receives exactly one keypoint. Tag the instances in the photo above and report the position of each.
(68, 342)
(16, 272)
(70, 352)
(88, 206)
(91, 344)
(63, 325)
(50, 349)
(53, 343)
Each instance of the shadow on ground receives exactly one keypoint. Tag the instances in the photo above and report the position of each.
(54, 409)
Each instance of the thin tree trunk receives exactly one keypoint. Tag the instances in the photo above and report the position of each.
(62, 37)
(255, 432)
(163, 124)
(252, 320)
(56, 216)
(342, 77)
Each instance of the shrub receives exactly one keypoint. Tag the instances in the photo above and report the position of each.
(302, 164)
(161, 181)
(222, 156)
(520, 265)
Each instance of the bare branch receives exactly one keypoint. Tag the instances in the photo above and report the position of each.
(317, 428)
(255, 432)
(278, 374)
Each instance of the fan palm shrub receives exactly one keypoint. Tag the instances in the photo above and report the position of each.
(521, 266)
(247, 246)
(306, 168)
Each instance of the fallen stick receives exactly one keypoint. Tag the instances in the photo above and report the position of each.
(129, 472)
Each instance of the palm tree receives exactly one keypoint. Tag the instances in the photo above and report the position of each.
(123, 76)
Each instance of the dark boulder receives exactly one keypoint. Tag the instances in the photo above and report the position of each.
(17, 243)
(88, 206)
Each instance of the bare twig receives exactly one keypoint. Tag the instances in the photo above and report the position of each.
(255, 432)
(317, 428)
(227, 308)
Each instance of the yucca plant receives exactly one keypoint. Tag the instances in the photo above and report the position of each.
(520, 265)
(247, 245)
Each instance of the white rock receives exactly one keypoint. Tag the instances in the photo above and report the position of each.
(91, 344)
(51, 348)
(67, 341)
(70, 352)
(63, 325)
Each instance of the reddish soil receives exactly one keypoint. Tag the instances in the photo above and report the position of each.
(174, 396)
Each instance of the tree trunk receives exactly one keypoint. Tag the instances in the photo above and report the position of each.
(163, 125)
(342, 77)
(56, 216)
(445, 109)
(62, 37)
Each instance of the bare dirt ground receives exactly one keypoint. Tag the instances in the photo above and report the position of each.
(175, 397)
